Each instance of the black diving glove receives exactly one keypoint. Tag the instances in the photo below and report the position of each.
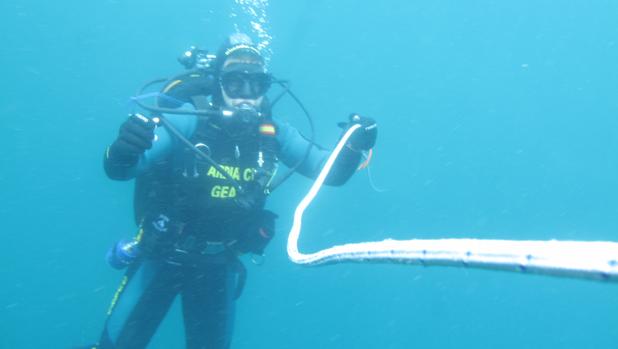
(365, 137)
(134, 138)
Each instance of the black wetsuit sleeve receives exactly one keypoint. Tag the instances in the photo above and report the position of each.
(293, 147)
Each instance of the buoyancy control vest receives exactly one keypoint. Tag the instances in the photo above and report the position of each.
(190, 197)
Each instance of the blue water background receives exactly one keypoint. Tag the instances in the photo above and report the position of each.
(498, 119)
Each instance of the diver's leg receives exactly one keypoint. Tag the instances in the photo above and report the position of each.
(139, 305)
(208, 304)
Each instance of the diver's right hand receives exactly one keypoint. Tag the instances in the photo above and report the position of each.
(134, 138)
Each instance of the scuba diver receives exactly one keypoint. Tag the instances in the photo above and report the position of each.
(204, 162)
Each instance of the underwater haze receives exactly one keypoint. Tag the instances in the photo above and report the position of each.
(497, 119)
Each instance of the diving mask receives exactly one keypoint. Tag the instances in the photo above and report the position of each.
(242, 84)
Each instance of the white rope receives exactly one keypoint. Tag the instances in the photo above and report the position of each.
(576, 259)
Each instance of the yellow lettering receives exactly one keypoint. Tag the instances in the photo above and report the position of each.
(227, 169)
(223, 192)
(248, 174)
(212, 172)
(236, 173)
(233, 172)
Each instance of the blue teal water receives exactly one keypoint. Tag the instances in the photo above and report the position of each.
(498, 119)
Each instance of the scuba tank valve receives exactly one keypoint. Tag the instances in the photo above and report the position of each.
(195, 58)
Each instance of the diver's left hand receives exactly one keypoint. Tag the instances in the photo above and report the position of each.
(365, 137)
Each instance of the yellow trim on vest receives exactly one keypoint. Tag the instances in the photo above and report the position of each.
(123, 283)
(267, 129)
(139, 235)
(171, 85)
(241, 47)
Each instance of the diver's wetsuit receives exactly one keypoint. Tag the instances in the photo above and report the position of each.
(188, 218)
